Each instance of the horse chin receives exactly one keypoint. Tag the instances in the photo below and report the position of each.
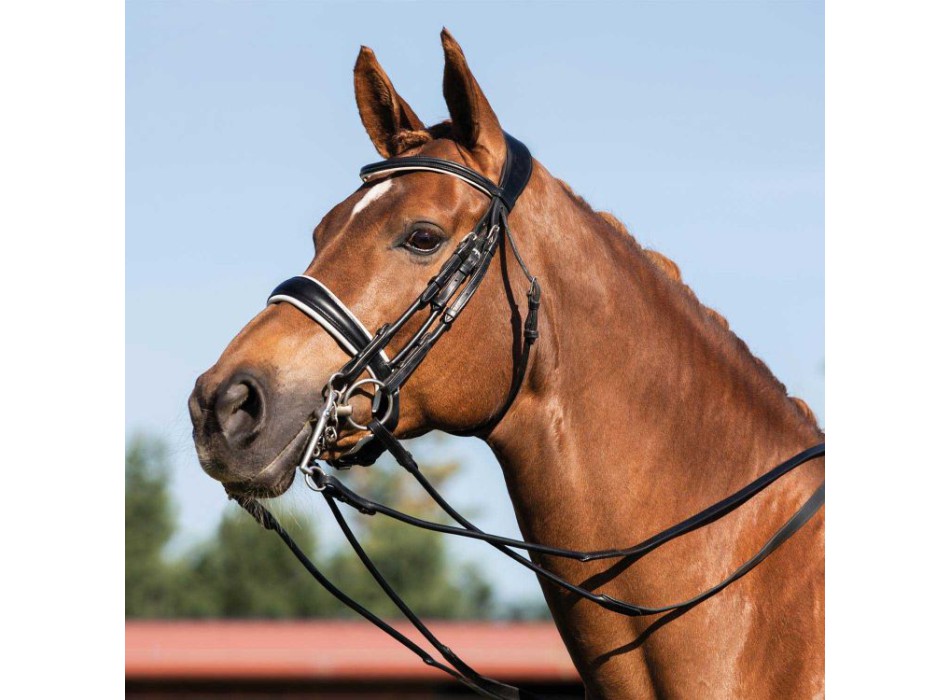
(260, 489)
(269, 482)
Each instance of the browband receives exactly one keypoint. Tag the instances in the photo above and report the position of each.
(514, 175)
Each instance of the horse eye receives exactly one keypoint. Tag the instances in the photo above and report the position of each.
(423, 241)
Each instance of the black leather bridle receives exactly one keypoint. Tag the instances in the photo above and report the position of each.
(446, 296)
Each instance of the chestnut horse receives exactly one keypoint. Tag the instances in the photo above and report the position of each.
(638, 408)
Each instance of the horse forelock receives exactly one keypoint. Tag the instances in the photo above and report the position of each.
(408, 139)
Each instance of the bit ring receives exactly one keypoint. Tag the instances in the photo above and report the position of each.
(389, 401)
(309, 480)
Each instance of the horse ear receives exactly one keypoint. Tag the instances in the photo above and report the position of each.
(473, 120)
(383, 112)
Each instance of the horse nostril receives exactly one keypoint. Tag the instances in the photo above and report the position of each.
(239, 408)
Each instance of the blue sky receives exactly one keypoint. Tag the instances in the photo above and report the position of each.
(700, 125)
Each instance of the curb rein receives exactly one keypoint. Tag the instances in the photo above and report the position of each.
(446, 296)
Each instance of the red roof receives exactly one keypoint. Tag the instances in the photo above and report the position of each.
(335, 650)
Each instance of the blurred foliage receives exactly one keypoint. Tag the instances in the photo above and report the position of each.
(149, 525)
(414, 561)
(243, 571)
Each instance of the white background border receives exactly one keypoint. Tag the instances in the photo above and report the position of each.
(62, 207)
(886, 233)
(62, 184)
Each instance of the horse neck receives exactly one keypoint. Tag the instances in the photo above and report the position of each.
(640, 407)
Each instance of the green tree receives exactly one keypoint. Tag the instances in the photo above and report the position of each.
(415, 562)
(245, 571)
(149, 525)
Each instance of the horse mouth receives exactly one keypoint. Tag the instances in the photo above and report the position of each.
(348, 439)
(271, 481)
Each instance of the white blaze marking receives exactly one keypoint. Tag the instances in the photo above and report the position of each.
(372, 194)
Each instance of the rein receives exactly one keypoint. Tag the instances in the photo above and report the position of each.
(445, 296)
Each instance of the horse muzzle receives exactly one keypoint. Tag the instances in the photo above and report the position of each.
(236, 441)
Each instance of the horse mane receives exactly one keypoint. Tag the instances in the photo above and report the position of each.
(672, 271)
(407, 139)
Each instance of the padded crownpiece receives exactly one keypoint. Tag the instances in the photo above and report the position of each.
(517, 171)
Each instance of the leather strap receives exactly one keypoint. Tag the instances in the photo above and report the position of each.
(447, 293)
(515, 173)
(435, 165)
(316, 300)
(705, 517)
(464, 674)
(710, 514)
(334, 490)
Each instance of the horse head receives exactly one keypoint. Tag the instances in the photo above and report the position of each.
(253, 411)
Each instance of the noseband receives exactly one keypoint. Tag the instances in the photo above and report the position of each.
(446, 296)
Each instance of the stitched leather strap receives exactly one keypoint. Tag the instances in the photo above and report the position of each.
(447, 293)
(714, 512)
(315, 299)
(435, 165)
(515, 173)
(334, 490)
(458, 669)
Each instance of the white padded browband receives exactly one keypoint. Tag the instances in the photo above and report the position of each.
(408, 168)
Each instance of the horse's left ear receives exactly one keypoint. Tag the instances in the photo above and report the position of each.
(386, 116)
(473, 120)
